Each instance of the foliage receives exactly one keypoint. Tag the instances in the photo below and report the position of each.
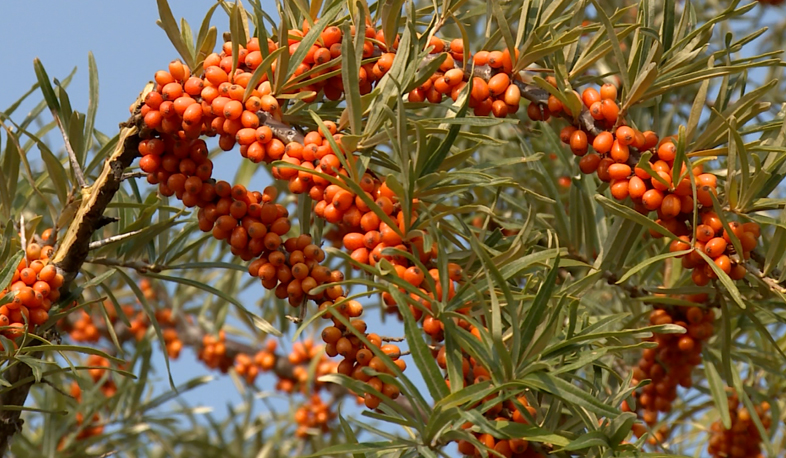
(554, 291)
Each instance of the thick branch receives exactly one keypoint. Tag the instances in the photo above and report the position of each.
(72, 252)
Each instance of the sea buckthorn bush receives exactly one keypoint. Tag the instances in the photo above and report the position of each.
(520, 229)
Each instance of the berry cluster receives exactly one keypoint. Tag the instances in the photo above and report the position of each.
(743, 438)
(94, 427)
(671, 363)
(214, 352)
(711, 238)
(313, 416)
(35, 286)
(510, 448)
(494, 93)
(660, 188)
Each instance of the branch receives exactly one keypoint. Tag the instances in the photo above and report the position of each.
(133, 175)
(72, 250)
(537, 95)
(139, 266)
(770, 282)
(115, 238)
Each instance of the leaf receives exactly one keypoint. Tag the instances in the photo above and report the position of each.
(632, 215)
(725, 280)
(365, 447)
(238, 34)
(10, 267)
(619, 57)
(46, 86)
(569, 393)
(57, 173)
(169, 24)
(437, 154)
(718, 391)
(421, 354)
(667, 27)
(649, 261)
(350, 77)
(538, 309)
(92, 105)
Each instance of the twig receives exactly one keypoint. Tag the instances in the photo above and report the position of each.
(131, 175)
(282, 131)
(115, 238)
(771, 282)
(391, 339)
(139, 266)
(80, 176)
(537, 95)
(54, 387)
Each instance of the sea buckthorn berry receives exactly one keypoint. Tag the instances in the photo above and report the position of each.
(589, 163)
(512, 96)
(724, 263)
(578, 142)
(590, 96)
(715, 247)
(480, 90)
(652, 199)
(554, 104)
(619, 171)
(603, 142)
(603, 169)
(625, 135)
(619, 188)
(454, 76)
(498, 84)
(680, 244)
(619, 152)
(608, 92)
(566, 133)
(667, 151)
(752, 228)
(610, 110)
(636, 187)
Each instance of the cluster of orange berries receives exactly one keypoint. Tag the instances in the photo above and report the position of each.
(671, 363)
(172, 340)
(293, 270)
(339, 340)
(711, 238)
(35, 286)
(474, 373)
(613, 162)
(497, 95)
(508, 448)
(108, 389)
(661, 189)
(299, 358)
(313, 416)
(214, 352)
(83, 329)
(249, 368)
(743, 438)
